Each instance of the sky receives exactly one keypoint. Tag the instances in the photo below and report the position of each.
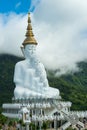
(18, 6)
(60, 28)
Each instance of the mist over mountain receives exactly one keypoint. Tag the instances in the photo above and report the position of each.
(73, 87)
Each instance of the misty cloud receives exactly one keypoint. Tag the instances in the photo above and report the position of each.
(63, 24)
(60, 28)
(34, 4)
(12, 31)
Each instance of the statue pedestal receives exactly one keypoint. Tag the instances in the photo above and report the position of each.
(42, 110)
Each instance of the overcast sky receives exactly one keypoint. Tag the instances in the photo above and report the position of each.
(60, 27)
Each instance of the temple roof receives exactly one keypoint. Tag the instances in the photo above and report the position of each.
(29, 34)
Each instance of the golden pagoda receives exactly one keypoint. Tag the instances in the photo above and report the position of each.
(29, 34)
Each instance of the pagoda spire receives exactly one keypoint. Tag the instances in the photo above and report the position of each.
(29, 34)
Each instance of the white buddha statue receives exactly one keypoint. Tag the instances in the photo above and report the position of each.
(30, 75)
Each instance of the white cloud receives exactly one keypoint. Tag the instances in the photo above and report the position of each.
(12, 31)
(60, 27)
(63, 24)
(34, 3)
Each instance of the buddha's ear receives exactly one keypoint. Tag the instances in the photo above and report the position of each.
(22, 49)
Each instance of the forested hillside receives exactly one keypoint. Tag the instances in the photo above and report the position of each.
(73, 87)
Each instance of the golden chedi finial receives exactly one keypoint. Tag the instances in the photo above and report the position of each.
(29, 34)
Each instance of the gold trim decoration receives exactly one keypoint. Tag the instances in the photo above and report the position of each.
(29, 34)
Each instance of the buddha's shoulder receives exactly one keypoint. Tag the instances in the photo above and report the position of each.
(21, 63)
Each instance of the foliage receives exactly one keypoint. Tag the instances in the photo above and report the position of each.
(32, 126)
(45, 125)
(70, 128)
(7, 64)
(73, 87)
(21, 122)
(10, 123)
(3, 119)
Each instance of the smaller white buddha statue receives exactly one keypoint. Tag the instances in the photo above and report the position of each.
(30, 75)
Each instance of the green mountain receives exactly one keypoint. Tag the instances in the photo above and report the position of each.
(73, 87)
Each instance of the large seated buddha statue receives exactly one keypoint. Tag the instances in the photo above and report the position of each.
(30, 75)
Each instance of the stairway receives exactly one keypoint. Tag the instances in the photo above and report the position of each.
(71, 118)
(80, 124)
(65, 126)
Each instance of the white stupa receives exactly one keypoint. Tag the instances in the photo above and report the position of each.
(33, 95)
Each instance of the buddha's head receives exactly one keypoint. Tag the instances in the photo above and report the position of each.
(29, 51)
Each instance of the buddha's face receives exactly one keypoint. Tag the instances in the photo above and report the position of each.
(30, 51)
